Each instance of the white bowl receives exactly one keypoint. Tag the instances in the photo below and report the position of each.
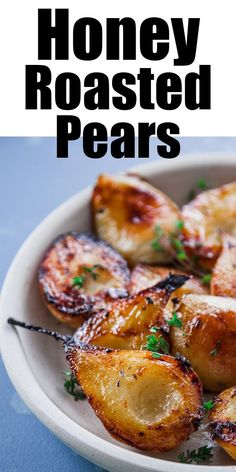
(35, 363)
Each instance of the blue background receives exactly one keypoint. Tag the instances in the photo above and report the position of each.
(32, 183)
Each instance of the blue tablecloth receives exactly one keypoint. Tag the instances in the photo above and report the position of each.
(32, 183)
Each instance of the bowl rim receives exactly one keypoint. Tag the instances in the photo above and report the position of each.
(89, 445)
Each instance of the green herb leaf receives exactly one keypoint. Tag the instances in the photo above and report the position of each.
(158, 231)
(179, 225)
(154, 329)
(216, 349)
(179, 247)
(208, 405)
(181, 255)
(177, 244)
(72, 387)
(175, 321)
(78, 281)
(156, 243)
(203, 454)
(156, 355)
(156, 246)
(158, 345)
(92, 271)
(152, 343)
(201, 184)
(206, 279)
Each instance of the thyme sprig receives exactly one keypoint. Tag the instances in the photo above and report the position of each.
(206, 279)
(171, 244)
(208, 405)
(175, 321)
(72, 387)
(79, 280)
(157, 346)
(197, 456)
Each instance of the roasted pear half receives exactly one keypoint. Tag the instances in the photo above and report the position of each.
(126, 213)
(79, 275)
(128, 322)
(223, 421)
(145, 402)
(223, 282)
(206, 335)
(144, 276)
(205, 218)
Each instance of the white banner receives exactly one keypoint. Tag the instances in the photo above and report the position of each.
(215, 47)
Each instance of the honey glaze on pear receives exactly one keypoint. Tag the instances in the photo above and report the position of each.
(103, 275)
(145, 402)
(126, 211)
(126, 323)
(222, 419)
(207, 338)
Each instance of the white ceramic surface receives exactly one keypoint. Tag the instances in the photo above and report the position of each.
(35, 363)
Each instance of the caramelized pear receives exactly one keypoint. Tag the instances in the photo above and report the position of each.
(206, 335)
(223, 282)
(143, 401)
(205, 218)
(126, 324)
(126, 212)
(223, 421)
(144, 276)
(80, 275)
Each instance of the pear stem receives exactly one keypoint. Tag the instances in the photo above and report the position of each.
(38, 329)
(172, 282)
